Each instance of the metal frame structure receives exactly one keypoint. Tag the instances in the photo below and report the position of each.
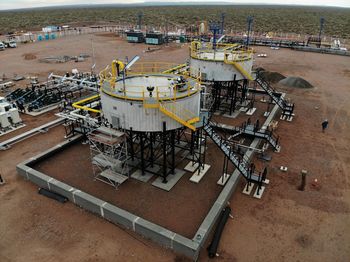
(109, 155)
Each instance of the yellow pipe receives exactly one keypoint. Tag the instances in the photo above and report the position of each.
(86, 108)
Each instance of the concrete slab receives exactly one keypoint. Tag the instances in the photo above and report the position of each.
(266, 114)
(248, 189)
(191, 166)
(12, 129)
(259, 196)
(243, 109)
(143, 178)
(199, 174)
(133, 163)
(266, 181)
(47, 109)
(251, 111)
(223, 179)
(171, 180)
(234, 114)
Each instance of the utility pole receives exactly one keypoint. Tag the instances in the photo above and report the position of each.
(139, 20)
(322, 20)
(250, 20)
(215, 28)
(222, 23)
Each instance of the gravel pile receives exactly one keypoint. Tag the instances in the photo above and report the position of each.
(293, 81)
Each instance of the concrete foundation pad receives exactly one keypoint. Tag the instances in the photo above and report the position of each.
(266, 114)
(262, 189)
(12, 129)
(191, 166)
(199, 174)
(143, 178)
(47, 109)
(289, 119)
(248, 189)
(243, 109)
(133, 163)
(251, 111)
(223, 179)
(266, 181)
(234, 114)
(171, 180)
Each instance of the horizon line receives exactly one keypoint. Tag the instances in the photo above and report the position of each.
(156, 4)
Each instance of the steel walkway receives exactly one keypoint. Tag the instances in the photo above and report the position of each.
(242, 164)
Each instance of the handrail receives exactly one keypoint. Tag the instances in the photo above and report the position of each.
(89, 99)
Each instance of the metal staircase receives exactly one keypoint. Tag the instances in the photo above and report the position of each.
(252, 130)
(242, 164)
(287, 108)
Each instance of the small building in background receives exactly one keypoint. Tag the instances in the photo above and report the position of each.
(135, 36)
(154, 38)
(51, 28)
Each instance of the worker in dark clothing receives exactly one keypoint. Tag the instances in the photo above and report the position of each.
(324, 125)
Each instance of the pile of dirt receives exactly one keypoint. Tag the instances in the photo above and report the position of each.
(272, 77)
(29, 56)
(293, 81)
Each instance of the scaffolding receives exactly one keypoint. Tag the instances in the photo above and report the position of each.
(109, 155)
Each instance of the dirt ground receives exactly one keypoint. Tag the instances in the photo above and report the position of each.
(285, 225)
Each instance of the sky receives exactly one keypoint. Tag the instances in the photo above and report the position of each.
(14, 4)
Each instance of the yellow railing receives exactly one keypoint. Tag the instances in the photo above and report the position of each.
(179, 113)
(231, 52)
(79, 105)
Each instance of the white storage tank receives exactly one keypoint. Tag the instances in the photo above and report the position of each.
(228, 62)
(143, 102)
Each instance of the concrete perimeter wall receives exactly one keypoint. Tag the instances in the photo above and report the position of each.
(104, 209)
(116, 215)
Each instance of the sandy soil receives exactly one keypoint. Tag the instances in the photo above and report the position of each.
(286, 225)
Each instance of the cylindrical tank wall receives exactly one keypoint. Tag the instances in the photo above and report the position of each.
(218, 70)
(132, 114)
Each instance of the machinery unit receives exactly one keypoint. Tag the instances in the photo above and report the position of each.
(9, 114)
(154, 38)
(135, 36)
(16, 119)
(4, 121)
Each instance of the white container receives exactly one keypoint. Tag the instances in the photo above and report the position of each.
(15, 116)
(4, 121)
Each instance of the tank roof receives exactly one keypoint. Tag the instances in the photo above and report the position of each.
(160, 86)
